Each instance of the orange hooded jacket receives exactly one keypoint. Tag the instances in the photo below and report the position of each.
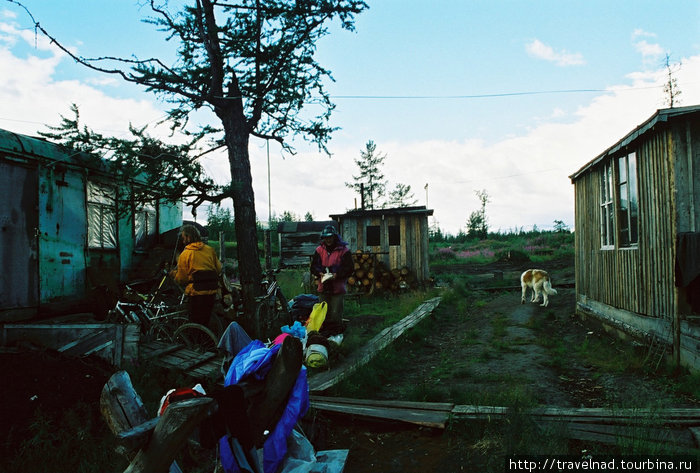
(198, 257)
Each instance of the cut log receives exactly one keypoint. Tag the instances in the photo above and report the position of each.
(123, 410)
(172, 431)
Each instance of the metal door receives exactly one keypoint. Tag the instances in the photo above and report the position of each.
(19, 220)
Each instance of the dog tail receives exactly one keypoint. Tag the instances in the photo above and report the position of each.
(548, 288)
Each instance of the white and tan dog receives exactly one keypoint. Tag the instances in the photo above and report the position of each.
(539, 281)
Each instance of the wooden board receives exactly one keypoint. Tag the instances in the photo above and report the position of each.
(178, 357)
(673, 416)
(115, 343)
(425, 417)
(674, 427)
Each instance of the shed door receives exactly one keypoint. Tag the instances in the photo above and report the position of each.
(19, 220)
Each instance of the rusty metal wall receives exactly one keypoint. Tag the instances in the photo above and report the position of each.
(62, 224)
(19, 283)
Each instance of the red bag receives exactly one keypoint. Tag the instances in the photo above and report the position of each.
(180, 394)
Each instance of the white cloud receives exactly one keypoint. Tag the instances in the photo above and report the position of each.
(637, 33)
(9, 14)
(650, 52)
(538, 49)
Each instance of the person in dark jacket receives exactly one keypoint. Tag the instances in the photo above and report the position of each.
(332, 265)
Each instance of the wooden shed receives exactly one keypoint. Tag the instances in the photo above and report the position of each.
(637, 241)
(298, 241)
(398, 236)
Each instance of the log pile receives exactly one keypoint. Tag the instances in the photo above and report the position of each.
(371, 276)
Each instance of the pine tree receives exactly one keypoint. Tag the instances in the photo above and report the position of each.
(401, 196)
(477, 225)
(371, 180)
(671, 90)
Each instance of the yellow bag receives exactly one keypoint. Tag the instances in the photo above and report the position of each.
(317, 316)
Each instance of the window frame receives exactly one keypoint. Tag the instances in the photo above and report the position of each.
(101, 204)
(628, 194)
(607, 208)
(144, 215)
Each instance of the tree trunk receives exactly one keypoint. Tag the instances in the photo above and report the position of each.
(244, 213)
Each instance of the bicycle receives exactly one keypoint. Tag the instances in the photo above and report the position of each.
(271, 310)
(165, 320)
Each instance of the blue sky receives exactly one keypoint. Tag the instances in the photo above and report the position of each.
(506, 96)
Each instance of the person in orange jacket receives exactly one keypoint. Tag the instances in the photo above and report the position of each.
(199, 270)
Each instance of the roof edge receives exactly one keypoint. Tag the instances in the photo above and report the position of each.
(660, 116)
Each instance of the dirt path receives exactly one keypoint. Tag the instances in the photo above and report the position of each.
(491, 350)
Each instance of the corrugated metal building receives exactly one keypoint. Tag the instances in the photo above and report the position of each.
(60, 232)
(637, 218)
(398, 236)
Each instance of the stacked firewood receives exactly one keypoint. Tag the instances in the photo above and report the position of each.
(371, 275)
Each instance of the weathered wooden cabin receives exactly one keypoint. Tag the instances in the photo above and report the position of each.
(637, 241)
(298, 241)
(398, 236)
(61, 234)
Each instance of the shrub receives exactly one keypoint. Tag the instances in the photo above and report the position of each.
(513, 256)
(444, 254)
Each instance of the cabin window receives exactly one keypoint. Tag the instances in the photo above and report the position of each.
(607, 223)
(373, 235)
(144, 225)
(628, 209)
(102, 216)
(394, 235)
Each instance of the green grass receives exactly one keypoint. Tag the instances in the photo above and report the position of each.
(537, 247)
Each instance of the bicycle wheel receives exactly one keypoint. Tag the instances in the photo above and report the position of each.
(261, 321)
(282, 308)
(196, 337)
(164, 328)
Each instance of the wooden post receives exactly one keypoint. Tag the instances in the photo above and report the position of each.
(268, 250)
(222, 248)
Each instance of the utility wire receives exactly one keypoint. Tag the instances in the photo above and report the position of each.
(480, 96)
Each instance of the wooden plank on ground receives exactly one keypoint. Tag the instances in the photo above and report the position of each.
(178, 357)
(209, 370)
(673, 427)
(425, 416)
(673, 416)
(675, 439)
(157, 348)
(428, 406)
(197, 360)
(322, 381)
